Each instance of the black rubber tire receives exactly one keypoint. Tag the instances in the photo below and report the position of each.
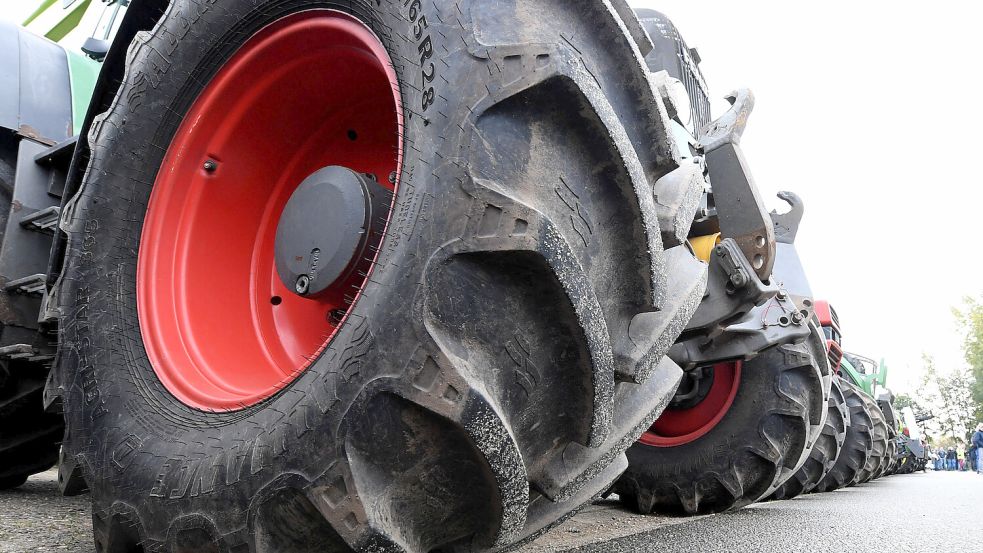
(891, 462)
(907, 464)
(524, 244)
(887, 462)
(857, 446)
(12, 482)
(879, 448)
(29, 437)
(823, 455)
(760, 441)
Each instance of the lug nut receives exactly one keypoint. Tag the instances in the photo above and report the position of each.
(392, 177)
(302, 285)
(209, 165)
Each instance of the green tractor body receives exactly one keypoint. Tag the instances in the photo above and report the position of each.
(82, 29)
(864, 372)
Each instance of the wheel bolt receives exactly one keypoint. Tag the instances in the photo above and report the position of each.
(209, 165)
(302, 285)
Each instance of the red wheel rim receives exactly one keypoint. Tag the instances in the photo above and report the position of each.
(680, 426)
(311, 90)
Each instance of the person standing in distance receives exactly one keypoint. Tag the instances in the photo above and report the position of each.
(978, 442)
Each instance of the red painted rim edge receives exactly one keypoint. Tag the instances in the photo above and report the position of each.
(677, 427)
(197, 358)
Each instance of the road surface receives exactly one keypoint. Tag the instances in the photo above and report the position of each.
(918, 512)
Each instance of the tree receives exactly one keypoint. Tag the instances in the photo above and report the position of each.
(952, 396)
(904, 400)
(970, 321)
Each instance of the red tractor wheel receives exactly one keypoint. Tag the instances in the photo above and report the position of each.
(732, 436)
(333, 265)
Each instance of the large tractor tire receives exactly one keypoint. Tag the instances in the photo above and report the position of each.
(889, 459)
(879, 449)
(823, 455)
(479, 176)
(857, 446)
(742, 440)
(29, 437)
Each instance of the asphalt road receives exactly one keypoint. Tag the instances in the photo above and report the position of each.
(918, 512)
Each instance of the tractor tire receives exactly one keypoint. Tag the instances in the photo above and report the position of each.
(887, 463)
(857, 446)
(879, 449)
(823, 455)
(759, 441)
(479, 384)
(891, 460)
(29, 437)
(906, 465)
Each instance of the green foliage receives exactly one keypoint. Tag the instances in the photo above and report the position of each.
(904, 400)
(952, 396)
(970, 320)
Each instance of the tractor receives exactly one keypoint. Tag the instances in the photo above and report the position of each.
(752, 401)
(868, 445)
(305, 275)
(913, 453)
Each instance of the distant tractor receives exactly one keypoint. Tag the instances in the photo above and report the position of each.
(867, 451)
(913, 453)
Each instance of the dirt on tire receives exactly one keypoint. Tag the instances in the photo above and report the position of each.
(761, 440)
(484, 384)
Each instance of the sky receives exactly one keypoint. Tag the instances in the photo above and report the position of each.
(865, 109)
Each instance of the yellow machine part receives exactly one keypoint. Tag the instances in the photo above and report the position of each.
(703, 245)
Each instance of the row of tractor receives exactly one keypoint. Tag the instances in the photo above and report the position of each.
(305, 275)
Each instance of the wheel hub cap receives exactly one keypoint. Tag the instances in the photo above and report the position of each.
(326, 228)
